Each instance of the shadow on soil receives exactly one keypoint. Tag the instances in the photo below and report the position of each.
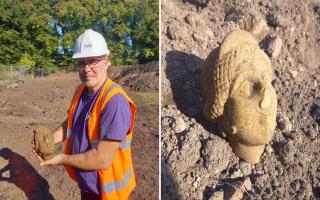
(24, 176)
(169, 188)
(184, 74)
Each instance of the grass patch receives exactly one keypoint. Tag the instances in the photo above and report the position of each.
(147, 98)
(2, 76)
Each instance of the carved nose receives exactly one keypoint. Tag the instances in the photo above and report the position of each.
(265, 101)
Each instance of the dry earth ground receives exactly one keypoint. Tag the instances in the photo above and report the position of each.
(197, 163)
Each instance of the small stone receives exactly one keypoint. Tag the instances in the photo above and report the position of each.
(235, 190)
(260, 29)
(201, 34)
(176, 33)
(285, 125)
(191, 19)
(245, 168)
(276, 184)
(166, 121)
(292, 29)
(178, 125)
(274, 47)
(236, 173)
(6, 174)
(293, 73)
(300, 68)
(269, 149)
(193, 120)
(195, 184)
(247, 184)
(198, 36)
(277, 20)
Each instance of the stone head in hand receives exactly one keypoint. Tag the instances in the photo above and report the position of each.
(238, 94)
(44, 142)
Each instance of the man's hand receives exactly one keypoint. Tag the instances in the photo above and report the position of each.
(58, 159)
(35, 152)
(97, 158)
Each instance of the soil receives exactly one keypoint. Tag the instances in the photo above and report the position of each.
(197, 162)
(144, 78)
(44, 101)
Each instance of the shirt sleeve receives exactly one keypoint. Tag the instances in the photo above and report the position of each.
(115, 119)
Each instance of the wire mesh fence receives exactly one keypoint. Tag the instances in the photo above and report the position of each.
(13, 75)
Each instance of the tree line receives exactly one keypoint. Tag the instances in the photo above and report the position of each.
(41, 33)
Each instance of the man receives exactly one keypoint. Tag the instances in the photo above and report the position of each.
(98, 130)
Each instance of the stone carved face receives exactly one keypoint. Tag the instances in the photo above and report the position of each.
(239, 95)
(44, 142)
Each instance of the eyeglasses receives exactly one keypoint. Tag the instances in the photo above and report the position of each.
(92, 64)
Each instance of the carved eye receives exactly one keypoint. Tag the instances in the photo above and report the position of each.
(246, 89)
(257, 87)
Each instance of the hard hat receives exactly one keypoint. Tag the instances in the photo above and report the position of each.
(90, 44)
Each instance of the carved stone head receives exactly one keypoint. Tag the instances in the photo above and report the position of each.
(239, 95)
(44, 142)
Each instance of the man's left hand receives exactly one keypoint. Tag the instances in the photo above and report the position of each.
(56, 160)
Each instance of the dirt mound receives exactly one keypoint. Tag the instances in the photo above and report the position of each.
(143, 78)
(289, 166)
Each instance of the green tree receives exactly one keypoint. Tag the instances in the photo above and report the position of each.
(25, 29)
(41, 33)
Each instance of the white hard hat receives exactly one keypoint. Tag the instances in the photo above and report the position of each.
(90, 44)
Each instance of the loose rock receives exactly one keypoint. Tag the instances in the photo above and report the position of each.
(260, 29)
(179, 125)
(274, 47)
(235, 190)
(284, 124)
(276, 19)
(191, 19)
(269, 149)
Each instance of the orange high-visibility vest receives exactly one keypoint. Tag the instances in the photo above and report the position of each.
(118, 180)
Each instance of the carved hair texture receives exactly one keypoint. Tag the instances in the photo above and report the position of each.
(222, 67)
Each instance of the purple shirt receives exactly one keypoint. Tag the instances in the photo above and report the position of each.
(114, 124)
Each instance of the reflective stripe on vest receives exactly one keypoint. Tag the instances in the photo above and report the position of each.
(69, 133)
(117, 185)
(123, 145)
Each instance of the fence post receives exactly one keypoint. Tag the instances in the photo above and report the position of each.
(11, 76)
(22, 73)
